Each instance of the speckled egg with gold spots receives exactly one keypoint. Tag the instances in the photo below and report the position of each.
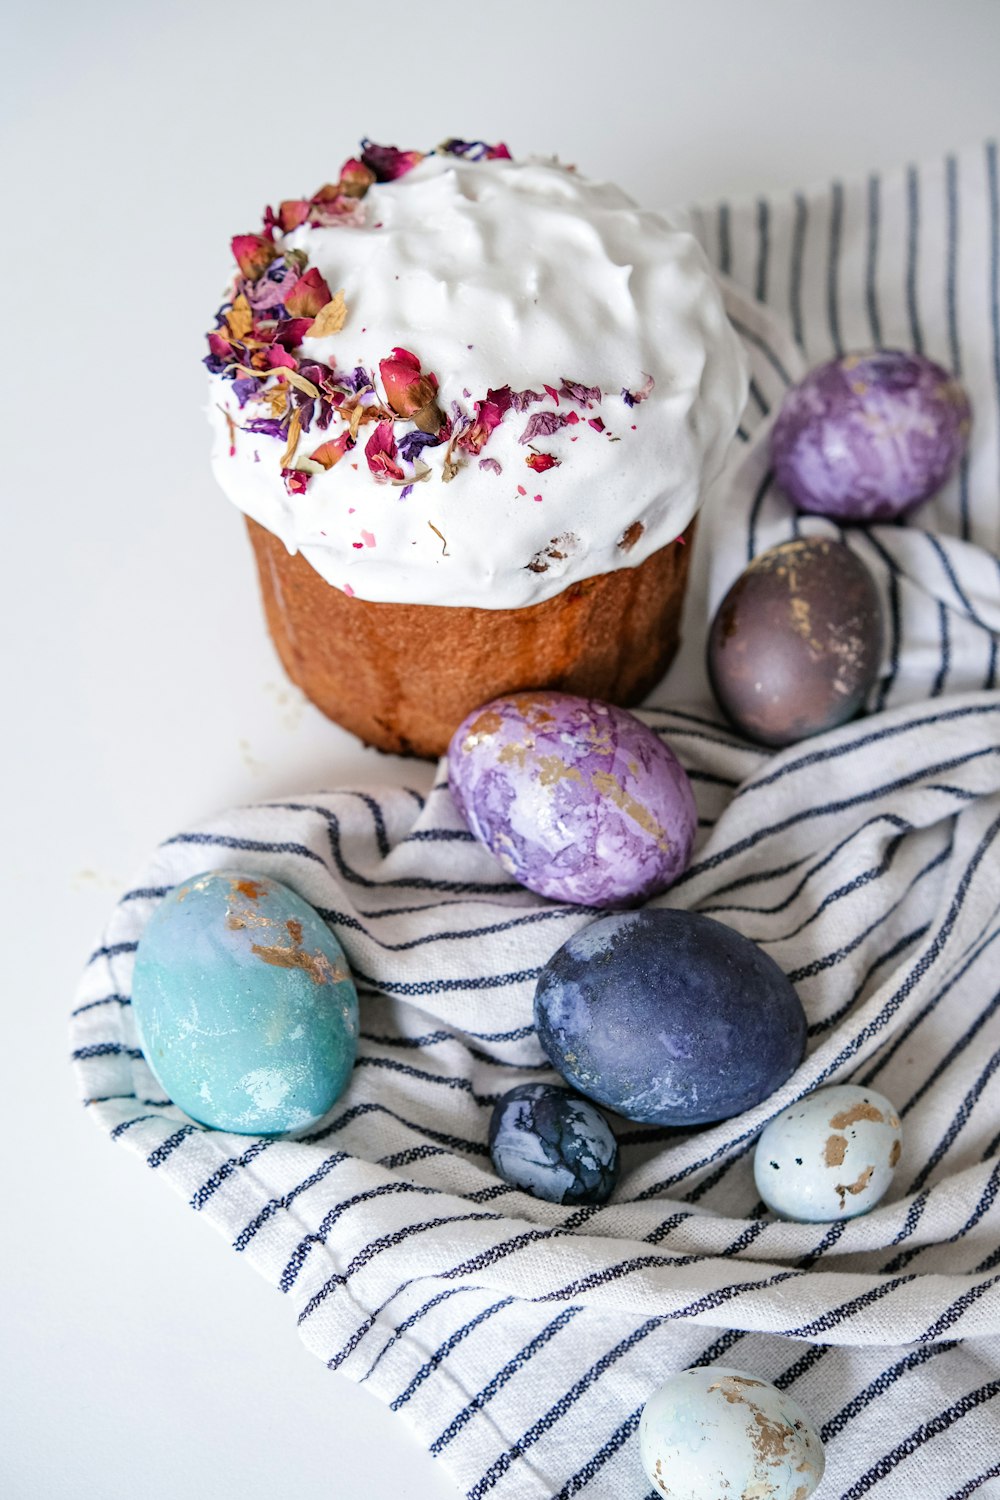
(830, 1156)
(244, 1004)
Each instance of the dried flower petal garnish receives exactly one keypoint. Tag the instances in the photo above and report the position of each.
(381, 453)
(239, 319)
(558, 549)
(444, 544)
(295, 481)
(332, 451)
(355, 178)
(294, 433)
(474, 150)
(410, 392)
(632, 398)
(542, 424)
(308, 295)
(279, 302)
(587, 395)
(387, 162)
(253, 254)
(331, 318)
(488, 416)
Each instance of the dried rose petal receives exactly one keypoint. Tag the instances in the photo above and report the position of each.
(543, 424)
(380, 451)
(521, 400)
(253, 254)
(492, 464)
(541, 462)
(308, 295)
(295, 481)
(290, 332)
(475, 150)
(332, 451)
(355, 178)
(387, 162)
(409, 391)
(487, 418)
(632, 398)
(585, 394)
(291, 213)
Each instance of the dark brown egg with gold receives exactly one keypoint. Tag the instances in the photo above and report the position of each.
(796, 644)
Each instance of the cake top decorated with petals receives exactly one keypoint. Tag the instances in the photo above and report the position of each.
(458, 379)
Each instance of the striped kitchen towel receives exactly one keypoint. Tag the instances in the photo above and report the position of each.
(518, 1338)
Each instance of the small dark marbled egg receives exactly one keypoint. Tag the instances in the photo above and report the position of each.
(553, 1145)
(868, 436)
(796, 644)
(668, 1017)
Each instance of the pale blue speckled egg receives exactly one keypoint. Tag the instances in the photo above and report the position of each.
(830, 1156)
(244, 1004)
(578, 800)
(716, 1431)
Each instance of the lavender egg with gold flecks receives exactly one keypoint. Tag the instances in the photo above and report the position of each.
(244, 1004)
(868, 436)
(577, 799)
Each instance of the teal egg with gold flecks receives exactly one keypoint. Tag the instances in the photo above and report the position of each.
(244, 1004)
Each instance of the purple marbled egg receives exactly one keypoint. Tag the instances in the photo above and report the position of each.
(868, 436)
(578, 800)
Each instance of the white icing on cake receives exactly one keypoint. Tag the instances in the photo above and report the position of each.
(497, 273)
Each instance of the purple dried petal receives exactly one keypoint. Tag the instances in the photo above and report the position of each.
(521, 400)
(244, 388)
(268, 426)
(585, 394)
(632, 398)
(307, 406)
(492, 464)
(412, 444)
(542, 424)
(475, 150)
(406, 492)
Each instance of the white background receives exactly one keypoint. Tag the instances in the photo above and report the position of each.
(141, 1358)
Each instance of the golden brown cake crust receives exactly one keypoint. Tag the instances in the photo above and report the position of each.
(403, 676)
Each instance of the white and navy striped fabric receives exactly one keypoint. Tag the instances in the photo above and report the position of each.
(521, 1339)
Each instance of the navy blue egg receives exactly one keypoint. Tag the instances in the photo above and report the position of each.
(553, 1145)
(668, 1017)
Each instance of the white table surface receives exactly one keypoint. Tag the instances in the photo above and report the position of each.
(141, 1358)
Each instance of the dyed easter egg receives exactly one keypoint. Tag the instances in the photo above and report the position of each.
(830, 1156)
(668, 1017)
(244, 1004)
(796, 645)
(868, 436)
(716, 1431)
(552, 1144)
(578, 800)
